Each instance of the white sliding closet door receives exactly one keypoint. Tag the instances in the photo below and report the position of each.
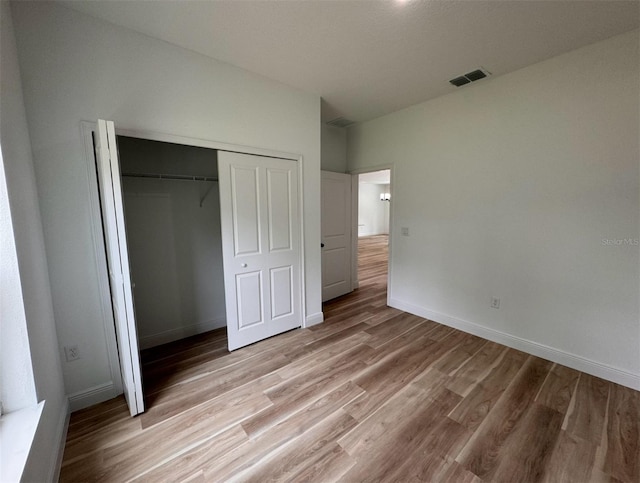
(260, 245)
(118, 264)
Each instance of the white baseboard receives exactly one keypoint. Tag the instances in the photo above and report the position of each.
(178, 333)
(314, 319)
(579, 363)
(93, 395)
(61, 439)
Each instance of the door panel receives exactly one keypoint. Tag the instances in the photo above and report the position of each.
(246, 216)
(281, 291)
(118, 264)
(259, 208)
(336, 235)
(250, 306)
(279, 196)
(333, 262)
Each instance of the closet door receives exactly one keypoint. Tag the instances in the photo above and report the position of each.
(260, 245)
(118, 263)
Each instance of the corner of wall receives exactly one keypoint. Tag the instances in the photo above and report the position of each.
(314, 319)
(333, 149)
(45, 458)
(579, 363)
(54, 474)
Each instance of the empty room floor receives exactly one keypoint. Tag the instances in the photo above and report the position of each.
(372, 394)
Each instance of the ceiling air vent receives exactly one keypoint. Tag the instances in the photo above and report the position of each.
(339, 122)
(460, 81)
(470, 77)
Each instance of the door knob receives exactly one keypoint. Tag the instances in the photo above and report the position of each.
(321, 245)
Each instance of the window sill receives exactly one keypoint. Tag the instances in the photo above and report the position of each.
(17, 431)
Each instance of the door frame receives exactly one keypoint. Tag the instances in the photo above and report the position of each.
(107, 390)
(355, 281)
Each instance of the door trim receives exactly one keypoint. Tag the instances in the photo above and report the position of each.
(354, 223)
(86, 130)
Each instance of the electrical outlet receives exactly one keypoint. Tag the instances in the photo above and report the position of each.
(405, 231)
(71, 353)
(495, 303)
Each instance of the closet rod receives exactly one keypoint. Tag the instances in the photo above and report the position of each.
(184, 177)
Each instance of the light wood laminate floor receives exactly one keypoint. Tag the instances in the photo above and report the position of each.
(372, 394)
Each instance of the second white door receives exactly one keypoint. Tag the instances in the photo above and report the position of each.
(336, 234)
(260, 222)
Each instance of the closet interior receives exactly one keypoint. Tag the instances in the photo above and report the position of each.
(172, 216)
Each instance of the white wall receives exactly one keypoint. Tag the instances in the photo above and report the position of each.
(334, 149)
(510, 188)
(175, 246)
(373, 214)
(32, 303)
(79, 68)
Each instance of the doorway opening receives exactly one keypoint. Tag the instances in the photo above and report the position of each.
(374, 200)
(369, 215)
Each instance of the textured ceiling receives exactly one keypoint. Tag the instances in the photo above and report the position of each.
(369, 58)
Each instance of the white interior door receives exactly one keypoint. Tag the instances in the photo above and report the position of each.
(118, 264)
(260, 220)
(336, 234)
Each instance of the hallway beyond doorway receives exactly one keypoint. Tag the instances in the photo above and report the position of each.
(373, 260)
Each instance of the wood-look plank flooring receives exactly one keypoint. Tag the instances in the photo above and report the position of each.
(372, 394)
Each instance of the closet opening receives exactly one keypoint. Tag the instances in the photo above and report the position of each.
(194, 269)
(173, 225)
